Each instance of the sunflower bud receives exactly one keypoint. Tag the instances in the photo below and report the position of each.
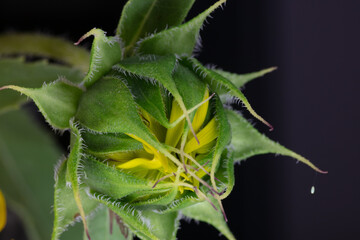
(151, 131)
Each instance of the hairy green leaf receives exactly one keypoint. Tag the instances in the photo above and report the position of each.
(247, 141)
(190, 87)
(186, 199)
(101, 227)
(105, 52)
(65, 207)
(206, 213)
(133, 217)
(45, 46)
(159, 69)
(141, 18)
(118, 184)
(108, 107)
(148, 96)
(239, 80)
(223, 138)
(57, 101)
(73, 170)
(101, 144)
(176, 40)
(27, 157)
(30, 75)
(215, 80)
(164, 226)
(151, 198)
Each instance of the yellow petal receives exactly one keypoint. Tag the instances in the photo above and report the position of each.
(174, 134)
(200, 114)
(151, 150)
(125, 156)
(205, 136)
(141, 162)
(2, 211)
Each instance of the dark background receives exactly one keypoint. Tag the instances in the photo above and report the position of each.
(311, 100)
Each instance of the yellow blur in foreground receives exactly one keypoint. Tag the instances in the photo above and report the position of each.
(2, 211)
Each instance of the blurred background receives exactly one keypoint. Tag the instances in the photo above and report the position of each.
(312, 101)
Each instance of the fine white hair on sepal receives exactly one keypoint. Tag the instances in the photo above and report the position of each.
(57, 167)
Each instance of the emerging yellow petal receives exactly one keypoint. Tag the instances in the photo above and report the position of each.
(2, 211)
(205, 136)
(141, 162)
(174, 134)
(200, 114)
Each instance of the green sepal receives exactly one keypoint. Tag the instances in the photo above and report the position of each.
(247, 142)
(225, 173)
(164, 226)
(140, 222)
(149, 96)
(204, 212)
(27, 155)
(159, 69)
(56, 101)
(151, 198)
(118, 183)
(30, 75)
(100, 224)
(141, 18)
(177, 40)
(152, 68)
(102, 144)
(216, 80)
(190, 87)
(45, 46)
(239, 80)
(187, 199)
(223, 139)
(105, 52)
(108, 107)
(74, 169)
(65, 208)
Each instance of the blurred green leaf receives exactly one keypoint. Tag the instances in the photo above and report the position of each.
(176, 40)
(57, 101)
(45, 46)
(27, 157)
(30, 75)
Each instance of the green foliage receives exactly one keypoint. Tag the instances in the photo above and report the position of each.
(206, 213)
(150, 136)
(29, 75)
(57, 101)
(65, 207)
(27, 157)
(142, 18)
(44, 46)
(177, 40)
